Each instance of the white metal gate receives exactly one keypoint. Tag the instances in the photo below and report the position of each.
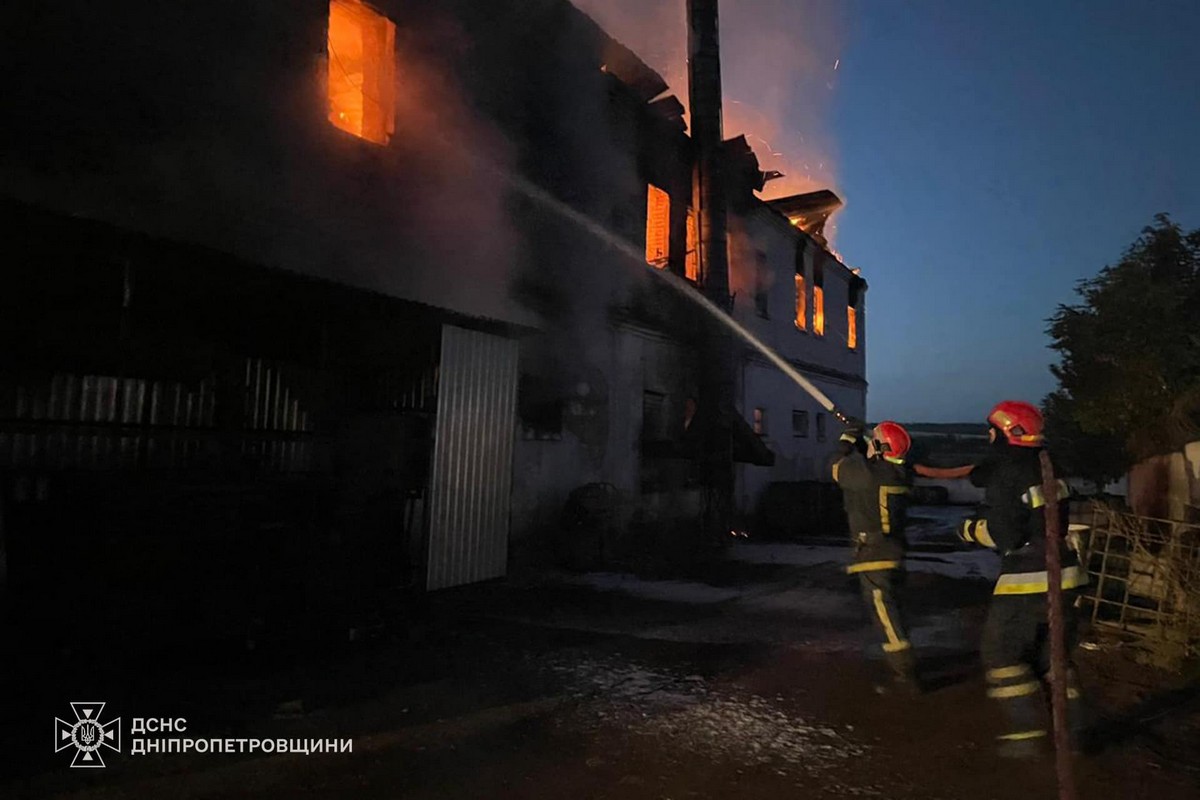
(471, 484)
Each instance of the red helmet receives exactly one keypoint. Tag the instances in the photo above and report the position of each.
(891, 441)
(1021, 423)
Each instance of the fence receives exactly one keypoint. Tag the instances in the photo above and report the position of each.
(1145, 583)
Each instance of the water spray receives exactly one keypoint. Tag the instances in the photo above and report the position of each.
(678, 284)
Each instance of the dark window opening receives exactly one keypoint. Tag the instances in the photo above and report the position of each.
(656, 421)
(800, 424)
(540, 410)
(761, 284)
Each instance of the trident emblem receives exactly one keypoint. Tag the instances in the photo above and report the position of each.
(87, 734)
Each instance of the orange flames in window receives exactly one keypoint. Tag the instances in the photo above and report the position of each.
(851, 327)
(362, 71)
(801, 304)
(692, 264)
(818, 311)
(658, 226)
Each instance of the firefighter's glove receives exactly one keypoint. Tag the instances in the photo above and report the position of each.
(851, 438)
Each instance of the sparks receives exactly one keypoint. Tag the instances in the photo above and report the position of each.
(835, 63)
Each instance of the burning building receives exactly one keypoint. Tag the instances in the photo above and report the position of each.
(298, 302)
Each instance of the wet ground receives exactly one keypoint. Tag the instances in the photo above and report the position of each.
(749, 679)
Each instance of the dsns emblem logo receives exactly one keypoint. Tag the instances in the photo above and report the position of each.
(87, 734)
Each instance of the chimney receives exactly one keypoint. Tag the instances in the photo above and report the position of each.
(716, 378)
(704, 93)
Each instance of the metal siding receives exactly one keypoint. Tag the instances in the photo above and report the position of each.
(472, 459)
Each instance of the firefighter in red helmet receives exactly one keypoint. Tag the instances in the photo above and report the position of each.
(1015, 647)
(875, 485)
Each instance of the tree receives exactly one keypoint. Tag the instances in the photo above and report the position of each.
(1096, 457)
(1129, 379)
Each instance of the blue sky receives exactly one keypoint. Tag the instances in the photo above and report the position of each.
(991, 155)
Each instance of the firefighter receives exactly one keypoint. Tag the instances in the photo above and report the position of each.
(1015, 648)
(875, 486)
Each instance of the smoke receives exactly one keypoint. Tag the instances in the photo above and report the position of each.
(779, 62)
(572, 279)
(198, 135)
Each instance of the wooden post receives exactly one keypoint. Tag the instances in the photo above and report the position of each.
(1058, 644)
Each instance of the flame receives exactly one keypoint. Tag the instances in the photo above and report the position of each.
(658, 226)
(692, 265)
(801, 304)
(851, 327)
(780, 64)
(818, 311)
(361, 75)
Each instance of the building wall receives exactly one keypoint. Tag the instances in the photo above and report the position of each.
(1167, 486)
(762, 230)
(826, 360)
(602, 432)
(207, 123)
(797, 457)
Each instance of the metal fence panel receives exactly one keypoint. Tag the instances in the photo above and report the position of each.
(471, 483)
(1145, 582)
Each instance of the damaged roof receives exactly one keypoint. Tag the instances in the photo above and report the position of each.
(809, 211)
(621, 62)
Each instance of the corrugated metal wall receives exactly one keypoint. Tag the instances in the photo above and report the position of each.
(471, 484)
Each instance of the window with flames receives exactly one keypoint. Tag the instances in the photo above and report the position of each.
(801, 318)
(658, 226)
(857, 285)
(361, 80)
(801, 304)
(692, 263)
(818, 301)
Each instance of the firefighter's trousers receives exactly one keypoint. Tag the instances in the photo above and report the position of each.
(879, 594)
(1016, 656)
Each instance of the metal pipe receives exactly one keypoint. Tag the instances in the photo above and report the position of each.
(1058, 644)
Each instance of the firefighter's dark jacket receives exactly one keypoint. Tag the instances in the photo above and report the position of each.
(875, 493)
(1014, 516)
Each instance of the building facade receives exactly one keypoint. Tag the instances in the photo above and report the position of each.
(330, 249)
(802, 301)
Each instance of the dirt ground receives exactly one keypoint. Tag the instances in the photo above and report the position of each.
(753, 679)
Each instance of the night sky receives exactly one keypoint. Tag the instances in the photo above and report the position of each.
(990, 155)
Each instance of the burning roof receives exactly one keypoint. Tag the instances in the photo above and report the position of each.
(809, 211)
